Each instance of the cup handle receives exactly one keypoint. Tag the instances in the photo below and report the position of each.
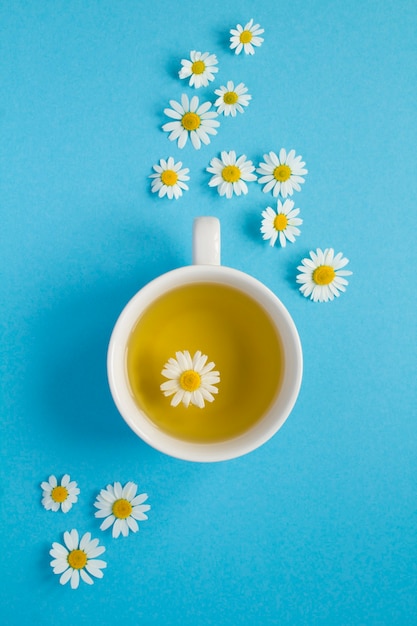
(206, 241)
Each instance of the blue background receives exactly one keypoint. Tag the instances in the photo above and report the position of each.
(319, 525)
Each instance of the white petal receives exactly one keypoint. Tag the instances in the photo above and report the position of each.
(139, 499)
(177, 106)
(65, 480)
(107, 522)
(328, 258)
(139, 514)
(58, 550)
(170, 386)
(71, 539)
(182, 360)
(86, 578)
(182, 139)
(93, 552)
(59, 566)
(118, 490)
(124, 527)
(129, 490)
(198, 399)
(132, 523)
(52, 506)
(95, 566)
(85, 540)
(175, 115)
(202, 135)
(103, 506)
(207, 395)
(272, 184)
(195, 139)
(177, 398)
(171, 372)
(194, 104)
(222, 188)
(199, 361)
(75, 579)
(116, 528)
(186, 398)
(185, 102)
(107, 495)
(66, 576)
(203, 108)
(66, 506)
(53, 481)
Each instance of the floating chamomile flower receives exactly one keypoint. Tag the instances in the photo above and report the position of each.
(230, 174)
(191, 119)
(121, 507)
(232, 99)
(281, 174)
(77, 559)
(322, 275)
(200, 69)
(169, 178)
(245, 38)
(281, 224)
(59, 496)
(191, 379)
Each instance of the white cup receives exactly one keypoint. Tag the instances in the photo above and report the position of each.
(206, 268)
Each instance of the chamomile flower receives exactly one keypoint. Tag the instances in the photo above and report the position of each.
(121, 507)
(230, 174)
(191, 119)
(77, 559)
(245, 38)
(59, 496)
(232, 99)
(281, 224)
(169, 178)
(322, 276)
(200, 68)
(281, 174)
(191, 379)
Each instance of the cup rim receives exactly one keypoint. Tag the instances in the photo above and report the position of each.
(264, 428)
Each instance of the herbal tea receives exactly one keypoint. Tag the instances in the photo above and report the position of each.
(234, 332)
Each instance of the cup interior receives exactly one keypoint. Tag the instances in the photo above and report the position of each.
(273, 417)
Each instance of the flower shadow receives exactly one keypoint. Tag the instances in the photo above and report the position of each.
(251, 227)
(43, 570)
(293, 260)
(222, 38)
(173, 66)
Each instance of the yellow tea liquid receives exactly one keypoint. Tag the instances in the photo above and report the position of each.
(234, 332)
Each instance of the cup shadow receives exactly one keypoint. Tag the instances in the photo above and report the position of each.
(74, 394)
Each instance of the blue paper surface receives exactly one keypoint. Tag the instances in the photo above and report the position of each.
(318, 525)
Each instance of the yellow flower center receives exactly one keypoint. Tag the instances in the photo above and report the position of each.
(59, 494)
(231, 174)
(190, 380)
(77, 559)
(169, 177)
(190, 121)
(246, 36)
(324, 275)
(198, 67)
(282, 173)
(230, 97)
(122, 508)
(280, 222)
